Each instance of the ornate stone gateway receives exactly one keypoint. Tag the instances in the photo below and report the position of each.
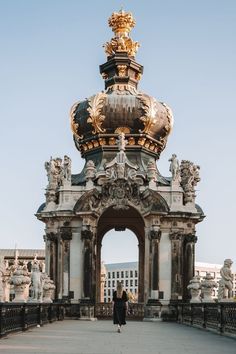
(120, 132)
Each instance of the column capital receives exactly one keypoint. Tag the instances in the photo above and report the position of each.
(155, 235)
(50, 236)
(191, 238)
(66, 233)
(175, 236)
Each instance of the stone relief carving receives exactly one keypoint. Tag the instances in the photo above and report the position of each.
(189, 178)
(226, 282)
(95, 117)
(174, 168)
(149, 106)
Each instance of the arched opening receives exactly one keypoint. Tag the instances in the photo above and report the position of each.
(117, 220)
(119, 256)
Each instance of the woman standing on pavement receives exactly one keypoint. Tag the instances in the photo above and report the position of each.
(120, 306)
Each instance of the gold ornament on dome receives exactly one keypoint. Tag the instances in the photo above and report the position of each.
(149, 106)
(169, 126)
(95, 117)
(125, 130)
(121, 23)
(74, 126)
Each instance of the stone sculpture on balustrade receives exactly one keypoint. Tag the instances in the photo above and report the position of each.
(36, 283)
(2, 271)
(195, 289)
(20, 279)
(207, 287)
(225, 292)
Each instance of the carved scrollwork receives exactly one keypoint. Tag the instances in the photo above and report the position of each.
(149, 106)
(95, 117)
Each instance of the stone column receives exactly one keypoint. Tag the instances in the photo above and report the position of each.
(66, 236)
(155, 236)
(87, 237)
(189, 260)
(59, 267)
(176, 265)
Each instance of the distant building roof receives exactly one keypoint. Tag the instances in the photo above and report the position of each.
(114, 266)
(10, 252)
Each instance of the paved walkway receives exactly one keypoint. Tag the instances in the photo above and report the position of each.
(100, 337)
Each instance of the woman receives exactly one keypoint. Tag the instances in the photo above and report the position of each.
(120, 306)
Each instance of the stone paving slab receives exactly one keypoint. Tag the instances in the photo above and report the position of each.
(100, 337)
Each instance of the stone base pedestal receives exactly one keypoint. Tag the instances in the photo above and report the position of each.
(87, 310)
(152, 310)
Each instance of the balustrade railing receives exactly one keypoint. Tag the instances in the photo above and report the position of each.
(104, 311)
(219, 317)
(20, 317)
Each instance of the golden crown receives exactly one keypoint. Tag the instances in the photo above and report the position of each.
(121, 22)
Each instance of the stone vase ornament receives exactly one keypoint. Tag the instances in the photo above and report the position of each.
(48, 288)
(195, 289)
(19, 280)
(207, 287)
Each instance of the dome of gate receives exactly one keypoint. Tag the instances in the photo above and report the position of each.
(97, 121)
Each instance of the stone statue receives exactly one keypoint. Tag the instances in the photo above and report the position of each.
(54, 172)
(36, 283)
(151, 171)
(121, 142)
(226, 282)
(174, 167)
(207, 286)
(67, 169)
(189, 178)
(90, 170)
(2, 273)
(195, 289)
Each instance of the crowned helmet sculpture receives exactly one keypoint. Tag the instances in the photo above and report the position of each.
(97, 121)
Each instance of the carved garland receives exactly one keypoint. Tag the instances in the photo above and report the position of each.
(73, 124)
(95, 117)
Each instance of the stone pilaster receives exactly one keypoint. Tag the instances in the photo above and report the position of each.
(155, 236)
(176, 265)
(52, 242)
(87, 237)
(66, 237)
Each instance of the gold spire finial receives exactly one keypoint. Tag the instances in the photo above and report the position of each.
(121, 23)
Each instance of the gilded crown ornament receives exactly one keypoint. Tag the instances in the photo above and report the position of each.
(121, 23)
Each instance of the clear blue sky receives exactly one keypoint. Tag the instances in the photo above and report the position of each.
(50, 53)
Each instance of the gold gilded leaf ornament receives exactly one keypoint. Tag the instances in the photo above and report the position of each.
(95, 117)
(149, 106)
(73, 124)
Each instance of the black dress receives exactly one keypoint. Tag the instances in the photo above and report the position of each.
(119, 309)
